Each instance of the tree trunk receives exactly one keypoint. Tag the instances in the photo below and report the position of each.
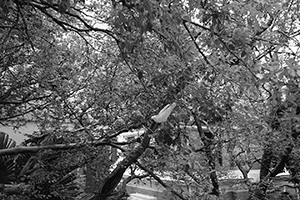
(265, 161)
(208, 142)
(111, 182)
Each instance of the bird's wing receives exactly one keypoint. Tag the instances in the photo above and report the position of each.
(164, 113)
(164, 108)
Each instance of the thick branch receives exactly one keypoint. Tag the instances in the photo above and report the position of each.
(265, 161)
(281, 164)
(188, 172)
(208, 142)
(111, 182)
(25, 112)
(34, 149)
(122, 192)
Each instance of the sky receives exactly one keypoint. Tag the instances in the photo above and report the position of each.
(18, 134)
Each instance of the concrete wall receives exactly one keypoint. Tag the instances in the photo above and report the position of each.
(164, 195)
(230, 190)
(153, 189)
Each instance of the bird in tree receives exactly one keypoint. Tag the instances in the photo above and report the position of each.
(164, 113)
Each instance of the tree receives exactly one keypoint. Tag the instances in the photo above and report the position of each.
(106, 67)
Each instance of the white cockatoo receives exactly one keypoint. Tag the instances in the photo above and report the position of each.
(164, 113)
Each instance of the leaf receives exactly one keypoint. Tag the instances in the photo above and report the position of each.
(148, 27)
(5, 6)
(147, 6)
(274, 66)
(187, 18)
(292, 72)
(291, 63)
(243, 54)
(205, 18)
(249, 21)
(291, 98)
(6, 142)
(64, 6)
(7, 169)
(231, 47)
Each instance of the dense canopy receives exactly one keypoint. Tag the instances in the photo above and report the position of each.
(87, 71)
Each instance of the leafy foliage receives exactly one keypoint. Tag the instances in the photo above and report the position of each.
(44, 175)
(89, 71)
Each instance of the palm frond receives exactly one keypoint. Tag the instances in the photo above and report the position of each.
(7, 169)
(7, 163)
(6, 142)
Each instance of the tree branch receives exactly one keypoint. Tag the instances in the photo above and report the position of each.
(208, 141)
(160, 181)
(64, 25)
(197, 46)
(34, 149)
